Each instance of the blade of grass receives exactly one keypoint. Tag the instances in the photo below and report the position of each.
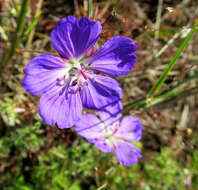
(156, 99)
(175, 90)
(33, 24)
(21, 51)
(158, 19)
(156, 88)
(102, 187)
(179, 84)
(18, 34)
(30, 31)
(30, 28)
(185, 93)
(90, 8)
(149, 101)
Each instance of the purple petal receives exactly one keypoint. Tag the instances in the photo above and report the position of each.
(114, 109)
(89, 126)
(130, 129)
(116, 57)
(102, 145)
(126, 153)
(107, 118)
(42, 73)
(57, 108)
(72, 38)
(100, 92)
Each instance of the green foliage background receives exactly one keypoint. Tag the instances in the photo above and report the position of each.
(31, 160)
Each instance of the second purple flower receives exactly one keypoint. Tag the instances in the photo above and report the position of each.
(113, 134)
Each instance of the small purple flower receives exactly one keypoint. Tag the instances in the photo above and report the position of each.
(110, 134)
(70, 81)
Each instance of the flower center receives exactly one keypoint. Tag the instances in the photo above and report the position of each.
(75, 63)
(74, 76)
(109, 133)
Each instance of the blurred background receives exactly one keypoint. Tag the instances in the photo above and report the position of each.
(35, 156)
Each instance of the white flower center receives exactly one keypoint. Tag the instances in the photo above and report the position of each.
(109, 133)
(75, 63)
(74, 75)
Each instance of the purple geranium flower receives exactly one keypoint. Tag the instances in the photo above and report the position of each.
(70, 81)
(110, 134)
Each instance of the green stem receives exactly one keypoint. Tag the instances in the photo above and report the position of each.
(156, 88)
(18, 34)
(149, 101)
(185, 93)
(90, 8)
(175, 90)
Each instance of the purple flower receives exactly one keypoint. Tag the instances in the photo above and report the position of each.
(70, 81)
(110, 134)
